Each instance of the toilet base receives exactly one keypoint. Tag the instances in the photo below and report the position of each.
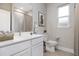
(51, 49)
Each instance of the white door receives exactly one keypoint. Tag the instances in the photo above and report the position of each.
(37, 50)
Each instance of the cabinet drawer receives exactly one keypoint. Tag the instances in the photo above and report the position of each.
(12, 49)
(37, 50)
(26, 52)
(37, 40)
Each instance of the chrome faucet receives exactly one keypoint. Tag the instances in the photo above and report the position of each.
(20, 33)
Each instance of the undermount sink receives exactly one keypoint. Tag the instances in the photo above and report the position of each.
(4, 37)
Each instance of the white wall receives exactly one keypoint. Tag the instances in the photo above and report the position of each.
(41, 8)
(51, 21)
(66, 35)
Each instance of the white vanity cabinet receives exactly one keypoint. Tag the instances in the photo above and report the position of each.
(26, 52)
(37, 47)
(30, 47)
(37, 50)
(14, 48)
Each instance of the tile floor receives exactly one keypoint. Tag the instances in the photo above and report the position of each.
(58, 53)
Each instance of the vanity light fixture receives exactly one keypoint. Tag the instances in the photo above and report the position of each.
(18, 10)
(22, 8)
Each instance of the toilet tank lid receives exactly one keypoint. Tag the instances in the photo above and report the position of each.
(50, 41)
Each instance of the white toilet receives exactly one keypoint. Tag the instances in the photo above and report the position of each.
(51, 45)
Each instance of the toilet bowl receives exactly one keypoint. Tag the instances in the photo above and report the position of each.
(51, 45)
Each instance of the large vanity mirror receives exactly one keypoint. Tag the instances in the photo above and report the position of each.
(21, 17)
(16, 17)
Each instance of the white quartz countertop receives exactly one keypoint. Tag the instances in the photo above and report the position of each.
(17, 39)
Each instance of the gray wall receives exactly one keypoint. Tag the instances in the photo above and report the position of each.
(38, 7)
(66, 35)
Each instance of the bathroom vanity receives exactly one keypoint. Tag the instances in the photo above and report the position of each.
(24, 45)
(17, 18)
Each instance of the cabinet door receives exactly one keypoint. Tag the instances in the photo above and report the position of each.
(37, 40)
(15, 48)
(37, 50)
(26, 52)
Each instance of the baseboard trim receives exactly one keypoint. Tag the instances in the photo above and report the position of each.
(66, 49)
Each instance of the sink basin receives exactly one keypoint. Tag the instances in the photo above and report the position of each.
(4, 37)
